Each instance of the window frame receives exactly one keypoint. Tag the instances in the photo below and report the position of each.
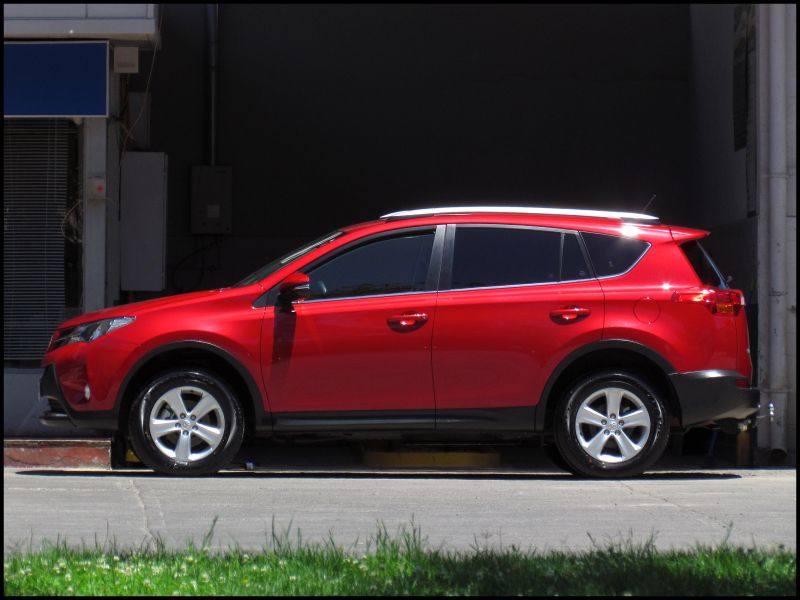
(445, 281)
(431, 278)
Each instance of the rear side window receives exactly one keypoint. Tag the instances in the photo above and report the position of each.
(384, 266)
(611, 254)
(702, 264)
(497, 256)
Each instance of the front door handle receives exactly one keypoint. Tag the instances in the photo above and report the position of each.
(408, 321)
(569, 314)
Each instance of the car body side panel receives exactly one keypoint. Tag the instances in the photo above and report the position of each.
(494, 348)
(343, 355)
(640, 308)
(225, 319)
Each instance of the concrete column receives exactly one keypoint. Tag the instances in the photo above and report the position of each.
(113, 191)
(94, 214)
(776, 106)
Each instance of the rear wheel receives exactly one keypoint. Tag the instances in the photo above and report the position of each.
(611, 424)
(186, 422)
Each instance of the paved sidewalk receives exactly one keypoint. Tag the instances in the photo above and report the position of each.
(534, 507)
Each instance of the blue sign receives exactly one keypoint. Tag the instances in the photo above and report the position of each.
(55, 79)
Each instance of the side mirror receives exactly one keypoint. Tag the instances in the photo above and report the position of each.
(296, 286)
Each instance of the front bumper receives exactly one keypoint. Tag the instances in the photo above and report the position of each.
(60, 414)
(713, 395)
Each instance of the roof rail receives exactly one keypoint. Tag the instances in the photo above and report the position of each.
(527, 210)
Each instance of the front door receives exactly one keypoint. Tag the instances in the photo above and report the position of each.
(358, 352)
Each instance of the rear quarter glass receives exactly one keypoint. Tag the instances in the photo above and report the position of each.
(612, 255)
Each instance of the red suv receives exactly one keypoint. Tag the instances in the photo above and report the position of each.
(597, 330)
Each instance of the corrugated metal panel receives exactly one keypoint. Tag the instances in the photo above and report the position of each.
(38, 163)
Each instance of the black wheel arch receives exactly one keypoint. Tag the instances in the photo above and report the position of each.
(617, 353)
(183, 352)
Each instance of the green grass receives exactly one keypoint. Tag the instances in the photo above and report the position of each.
(398, 565)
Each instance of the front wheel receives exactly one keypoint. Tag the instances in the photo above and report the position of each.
(186, 422)
(611, 424)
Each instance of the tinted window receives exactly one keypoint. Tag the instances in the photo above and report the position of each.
(611, 254)
(573, 263)
(386, 266)
(703, 265)
(490, 256)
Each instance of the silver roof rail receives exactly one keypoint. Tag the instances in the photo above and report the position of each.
(527, 210)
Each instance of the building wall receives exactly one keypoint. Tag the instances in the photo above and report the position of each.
(330, 115)
(722, 178)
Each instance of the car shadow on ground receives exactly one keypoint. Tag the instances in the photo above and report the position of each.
(332, 473)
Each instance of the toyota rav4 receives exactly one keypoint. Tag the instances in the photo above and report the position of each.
(597, 330)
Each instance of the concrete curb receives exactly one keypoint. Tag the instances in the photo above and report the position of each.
(57, 453)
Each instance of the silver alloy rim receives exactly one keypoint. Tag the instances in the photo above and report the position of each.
(187, 424)
(612, 425)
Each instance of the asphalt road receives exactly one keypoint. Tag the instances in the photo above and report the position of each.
(534, 508)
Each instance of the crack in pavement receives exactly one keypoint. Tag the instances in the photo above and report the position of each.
(145, 515)
(697, 514)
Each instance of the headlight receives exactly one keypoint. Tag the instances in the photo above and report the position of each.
(89, 331)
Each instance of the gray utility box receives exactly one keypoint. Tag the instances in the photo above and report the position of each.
(143, 221)
(212, 189)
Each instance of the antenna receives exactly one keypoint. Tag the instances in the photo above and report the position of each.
(649, 202)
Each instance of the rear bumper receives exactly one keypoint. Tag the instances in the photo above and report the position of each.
(713, 395)
(60, 414)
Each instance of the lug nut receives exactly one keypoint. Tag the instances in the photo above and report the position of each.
(177, 425)
(194, 428)
(185, 432)
(183, 415)
(616, 432)
(613, 416)
(606, 432)
(603, 422)
(621, 423)
(194, 418)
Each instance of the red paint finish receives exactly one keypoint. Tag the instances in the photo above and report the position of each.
(495, 348)
(455, 349)
(347, 354)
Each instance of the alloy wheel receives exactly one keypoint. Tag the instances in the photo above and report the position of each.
(612, 425)
(186, 424)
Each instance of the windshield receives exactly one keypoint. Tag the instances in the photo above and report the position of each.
(279, 263)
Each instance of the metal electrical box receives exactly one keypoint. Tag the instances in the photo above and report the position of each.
(143, 221)
(212, 189)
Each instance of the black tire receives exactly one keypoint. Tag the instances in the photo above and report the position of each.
(607, 458)
(228, 417)
(551, 451)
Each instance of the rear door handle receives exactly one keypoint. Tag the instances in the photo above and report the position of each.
(407, 321)
(569, 314)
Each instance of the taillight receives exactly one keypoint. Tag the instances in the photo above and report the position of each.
(718, 302)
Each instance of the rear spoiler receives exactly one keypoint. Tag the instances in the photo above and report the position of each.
(684, 234)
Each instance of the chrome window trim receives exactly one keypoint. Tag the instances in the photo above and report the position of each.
(300, 302)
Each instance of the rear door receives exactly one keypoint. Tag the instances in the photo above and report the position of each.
(513, 302)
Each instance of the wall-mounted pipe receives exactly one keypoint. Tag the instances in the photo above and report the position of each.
(772, 230)
(212, 27)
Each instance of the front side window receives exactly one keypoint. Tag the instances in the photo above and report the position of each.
(385, 266)
(500, 256)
